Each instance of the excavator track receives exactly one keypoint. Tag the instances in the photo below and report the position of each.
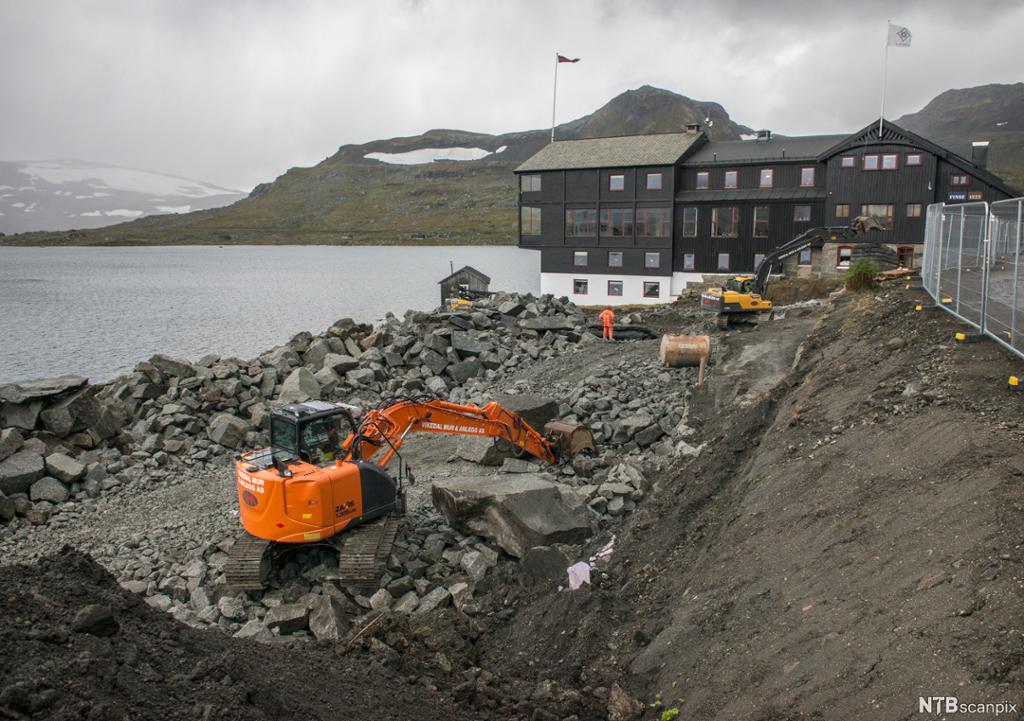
(365, 551)
(248, 566)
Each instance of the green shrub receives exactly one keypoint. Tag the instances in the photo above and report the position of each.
(861, 275)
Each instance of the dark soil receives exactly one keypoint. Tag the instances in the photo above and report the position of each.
(849, 540)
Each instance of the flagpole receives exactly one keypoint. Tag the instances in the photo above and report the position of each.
(885, 80)
(554, 97)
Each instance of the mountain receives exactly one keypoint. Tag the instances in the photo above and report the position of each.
(456, 186)
(389, 191)
(65, 194)
(986, 112)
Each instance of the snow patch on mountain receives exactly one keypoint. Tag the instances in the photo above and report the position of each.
(429, 155)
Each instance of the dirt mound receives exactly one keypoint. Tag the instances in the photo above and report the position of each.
(77, 646)
(848, 542)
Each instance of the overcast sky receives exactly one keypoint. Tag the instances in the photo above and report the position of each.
(235, 93)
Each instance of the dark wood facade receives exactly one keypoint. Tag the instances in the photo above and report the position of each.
(907, 188)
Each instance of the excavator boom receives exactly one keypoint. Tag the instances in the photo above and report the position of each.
(384, 430)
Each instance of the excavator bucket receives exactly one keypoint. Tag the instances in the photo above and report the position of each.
(571, 437)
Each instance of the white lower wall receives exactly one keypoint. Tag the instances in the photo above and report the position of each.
(559, 284)
(680, 281)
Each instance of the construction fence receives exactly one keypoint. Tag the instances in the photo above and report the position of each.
(972, 266)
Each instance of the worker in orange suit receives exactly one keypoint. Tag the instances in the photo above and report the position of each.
(608, 320)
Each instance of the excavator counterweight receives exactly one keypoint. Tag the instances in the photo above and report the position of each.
(325, 475)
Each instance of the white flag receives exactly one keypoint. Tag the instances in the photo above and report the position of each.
(899, 37)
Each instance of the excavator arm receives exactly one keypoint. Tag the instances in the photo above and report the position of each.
(813, 237)
(383, 430)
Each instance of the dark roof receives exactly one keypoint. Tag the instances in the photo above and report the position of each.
(623, 151)
(807, 147)
(893, 134)
(466, 269)
(697, 196)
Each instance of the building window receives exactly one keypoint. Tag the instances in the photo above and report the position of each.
(848, 161)
(882, 212)
(616, 222)
(654, 181)
(579, 286)
(871, 162)
(689, 261)
(614, 258)
(529, 183)
(529, 220)
(580, 258)
(844, 254)
(905, 257)
(843, 210)
(725, 222)
(652, 260)
(890, 161)
(654, 222)
(805, 257)
(731, 179)
(614, 287)
(702, 180)
(723, 261)
(761, 221)
(913, 159)
(767, 178)
(758, 259)
(689, 222)
(806, 177)
(801, 214)
(652, 289)
(959, 179)
(581, 223)
(913, 210)
(616, 182)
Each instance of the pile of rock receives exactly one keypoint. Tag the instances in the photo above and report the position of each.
(54, 445)
(169, 412)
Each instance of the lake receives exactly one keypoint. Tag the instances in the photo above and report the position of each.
(98, 311)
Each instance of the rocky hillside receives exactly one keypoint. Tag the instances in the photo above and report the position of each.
(66, 194)
(389, 191)
(455, 186)
(986, 112)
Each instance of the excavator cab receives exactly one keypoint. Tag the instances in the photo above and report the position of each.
(313, 432)
(740, 284)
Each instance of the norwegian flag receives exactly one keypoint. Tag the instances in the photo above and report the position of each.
(563, 59)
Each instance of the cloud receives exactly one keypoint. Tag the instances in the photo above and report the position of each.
(236, 93)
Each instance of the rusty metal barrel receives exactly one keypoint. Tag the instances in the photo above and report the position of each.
(685, 351)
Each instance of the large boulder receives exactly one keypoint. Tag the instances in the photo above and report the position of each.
(40, 390)
(517, 511)
(300, 386)
(48, 489)
(172, 367)
(464, 370)
(327, 619)
(535, 409)
(64, 468)
(20, 415)
(10, 442)
(228, 430)
(480, 449)
(547, 323)
(20, 471)
(340, 364)
(287, 618)
(466, 345)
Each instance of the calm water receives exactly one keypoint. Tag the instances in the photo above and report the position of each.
(98, 311)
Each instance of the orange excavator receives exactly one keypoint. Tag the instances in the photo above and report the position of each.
(323, 479)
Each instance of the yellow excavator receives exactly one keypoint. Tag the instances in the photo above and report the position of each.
(742, 298)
